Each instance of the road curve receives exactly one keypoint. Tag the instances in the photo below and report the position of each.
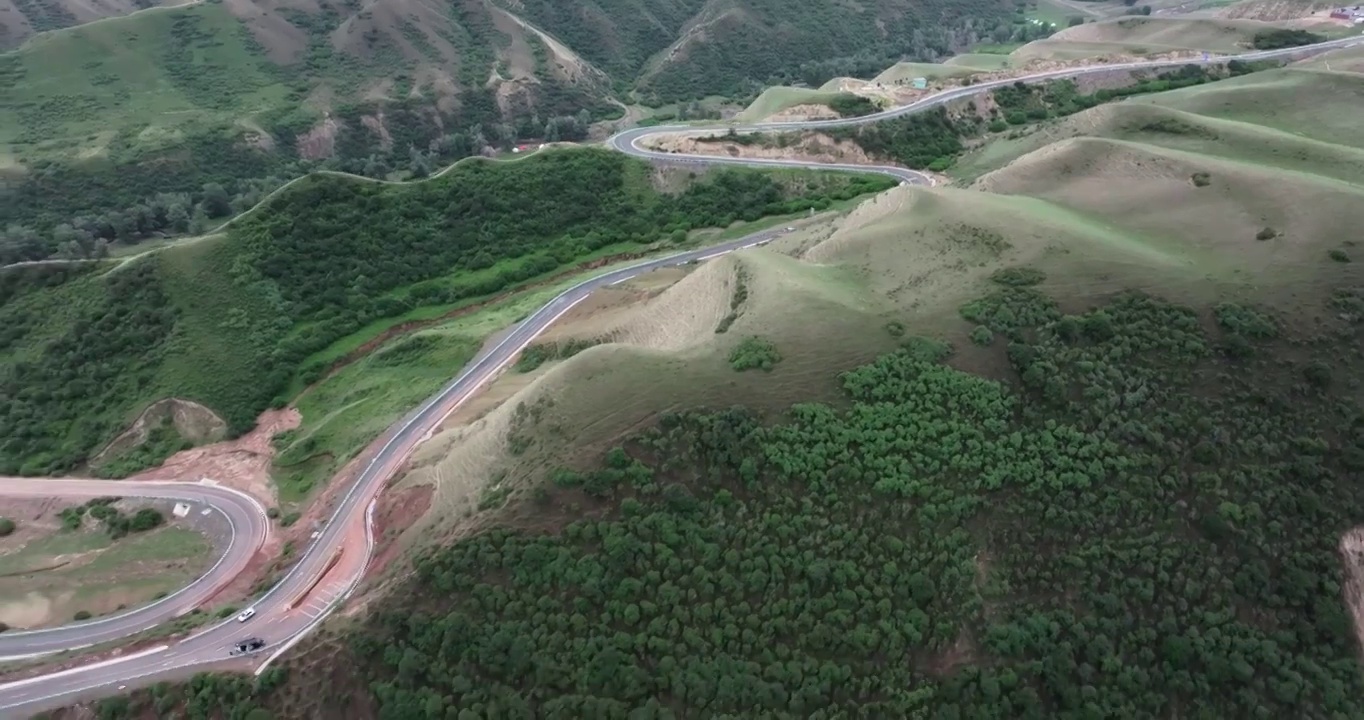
(278, 620)
(628, 141)
(246, 519)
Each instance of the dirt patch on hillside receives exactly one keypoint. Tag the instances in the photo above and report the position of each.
(803, 112)
(191, 421)
(282, 41)
(814, 147)
(32, 518)
(1352, 554)
(567, 65)
(320, 141)
(396, 511)
(1275, 10)
(242, 464)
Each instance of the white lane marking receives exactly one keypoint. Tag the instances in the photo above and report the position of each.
(624, 279)
(496, 369)
(712, 256)
(84, 668)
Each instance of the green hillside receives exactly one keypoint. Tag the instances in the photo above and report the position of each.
(166, 121)
(1079, 440)
(1161, 35)
(230, 321)
(691, 48)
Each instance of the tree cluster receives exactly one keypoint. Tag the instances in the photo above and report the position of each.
(1278, 38)
(1100, 541)
(64, 395)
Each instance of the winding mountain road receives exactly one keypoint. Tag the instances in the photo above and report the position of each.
(333, 565)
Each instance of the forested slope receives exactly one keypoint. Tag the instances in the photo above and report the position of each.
(230, 321)
(1146, 522)
(167, 121)
(1141, 519)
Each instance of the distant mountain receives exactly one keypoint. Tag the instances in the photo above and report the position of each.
(110, 122)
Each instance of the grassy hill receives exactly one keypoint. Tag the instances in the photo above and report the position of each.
(235, 322)
(1138, 36)
(945, 447)
(776, 99)
(137, 125)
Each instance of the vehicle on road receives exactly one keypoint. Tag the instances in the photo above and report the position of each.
(246, 646)
(246, 614)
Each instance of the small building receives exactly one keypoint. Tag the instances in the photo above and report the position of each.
(180, 510)
(919, 83)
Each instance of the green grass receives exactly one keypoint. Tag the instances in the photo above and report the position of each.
(1145, 36)
(39, 552)
(101, 575)
(164, 544)
(200, 321)
(775, 99)
(906, 71)
(525, 301)
(354, 341)
(348, 410)
(150, 74)
(1298, 120)
(987, 49)
(980, 61)
(1309, 103)
(1054, 12)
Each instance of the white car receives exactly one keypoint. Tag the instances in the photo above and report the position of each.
(246, 614)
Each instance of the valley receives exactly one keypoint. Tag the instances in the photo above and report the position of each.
(934, 394)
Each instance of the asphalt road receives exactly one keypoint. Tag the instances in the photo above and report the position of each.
(628, 141)
(278, 620)
(244, 515)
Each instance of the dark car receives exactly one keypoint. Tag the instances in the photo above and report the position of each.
(247, 646)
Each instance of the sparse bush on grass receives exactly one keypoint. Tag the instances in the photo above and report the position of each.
(1317, 374)
(146, 519)
(850, 105)
(1202, 179)
(162, 442)
(1267, 233)
(1239, 320)
(1284, 38)
(1339, 255)
(290, 518)
(72, 517)
(540, 353)
(982, 335)
(736, 302)
(6, 527)
(81, 615)
(1018, 276)
(1011, 308)
(895, 328)
(754, 353)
